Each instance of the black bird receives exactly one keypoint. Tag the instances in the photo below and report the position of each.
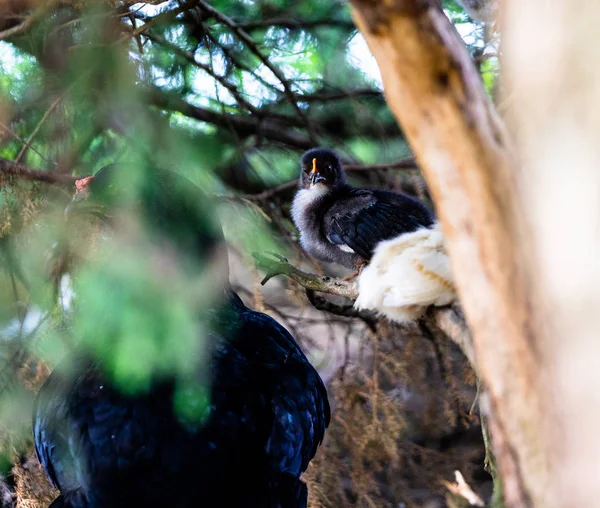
(342, 224)
(268, 406)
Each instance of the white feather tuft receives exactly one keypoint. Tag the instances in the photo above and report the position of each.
(406, 275)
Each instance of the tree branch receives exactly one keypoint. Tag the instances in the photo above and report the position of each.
(408, 163)
(188, 56)
(336, 95)
(244, 37)
(449, 320)
(17, 29)
(28, 141)
(296, 24)
(23, 172)
(233, 89)
(321, 283)
(343, 310)
(163, 16)
(26, 24)
(244, 126)
(23, 141)
(239, 64)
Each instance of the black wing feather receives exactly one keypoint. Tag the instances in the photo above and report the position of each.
(270, 411)
(371, 216)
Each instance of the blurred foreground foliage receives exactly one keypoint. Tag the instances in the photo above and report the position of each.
(228, 94)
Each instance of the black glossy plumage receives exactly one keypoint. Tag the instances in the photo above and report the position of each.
(361, 218)
(267, 416)
(342, 224)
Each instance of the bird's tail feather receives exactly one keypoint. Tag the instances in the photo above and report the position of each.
(406, 275)
(290, 492)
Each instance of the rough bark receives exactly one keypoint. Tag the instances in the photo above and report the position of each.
(470, 167)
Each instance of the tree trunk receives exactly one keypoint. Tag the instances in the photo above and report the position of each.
(471, 169)
(552, 80)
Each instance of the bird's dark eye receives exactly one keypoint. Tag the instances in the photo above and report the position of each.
(329, 167)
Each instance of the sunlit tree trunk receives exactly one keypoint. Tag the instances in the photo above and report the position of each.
(471, 168)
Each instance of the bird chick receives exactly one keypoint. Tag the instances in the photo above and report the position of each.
(342, 224)
(406, 275)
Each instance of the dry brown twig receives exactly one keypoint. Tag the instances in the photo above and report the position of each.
(23, 141)
(249, 41)
(23, 172)
(26, 24)
(189, 57)
(462, 489)
(163, 16)
(28, 141)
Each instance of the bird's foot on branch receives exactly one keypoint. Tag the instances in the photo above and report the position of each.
(353, 275)
(356, 273)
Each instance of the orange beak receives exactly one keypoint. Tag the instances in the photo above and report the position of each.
(315, 177)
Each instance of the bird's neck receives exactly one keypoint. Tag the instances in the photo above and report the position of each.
(233, 299)
(342, 187)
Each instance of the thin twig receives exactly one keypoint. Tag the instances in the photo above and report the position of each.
(23, 172)
(25, 25)
(462, 489)
(158, 19)
(24, 142)
(239, 64)
(296, 24)
(244, 37)
(234, 90)
(334, 96)
(245, 125)
(408, 163)
(27, 143)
